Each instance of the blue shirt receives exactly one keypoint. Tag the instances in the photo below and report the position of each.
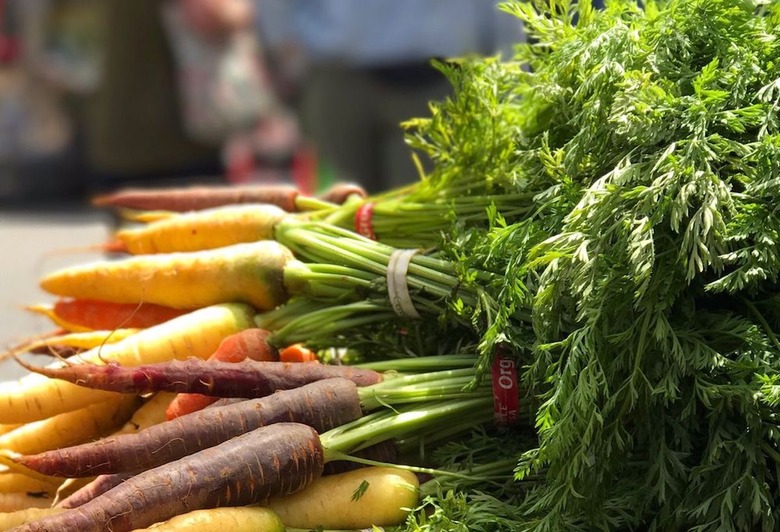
(387, 32)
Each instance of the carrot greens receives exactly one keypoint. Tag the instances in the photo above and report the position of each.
(648, 140)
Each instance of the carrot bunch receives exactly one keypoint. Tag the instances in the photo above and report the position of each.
(233, 311)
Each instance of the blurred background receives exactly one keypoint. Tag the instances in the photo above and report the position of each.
(97, 95)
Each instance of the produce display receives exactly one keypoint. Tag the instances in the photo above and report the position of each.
(569, 323)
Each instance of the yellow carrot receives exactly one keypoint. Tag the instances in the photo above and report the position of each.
(71, 428)
(150, 413)
(361, 498)
(237, 519)
(25, 514)
(12, 482)
(144, 216)
(206, 229)
(78, 340)
(9, 428)
(196, 334)
(252, 273)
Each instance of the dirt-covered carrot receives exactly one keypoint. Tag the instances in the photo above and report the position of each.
(252, 273)
(236, 519)
(275, 460)
(250, 344)
(322, 405)
(247, 378)
(70, 428)
(197, 334)
(206, 229)
(359, 499)
(95, 314)
(193, 198)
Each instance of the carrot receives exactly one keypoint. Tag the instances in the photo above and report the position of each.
(206, 229)
(97, 486)
(278, 459)
(249, 343)
(251, 273)
(70, 428)
(27, 514)
(322, 405)
(198, 334)
(340, 192)
(182, 199)
(68, 344)
(95, 314)
(12, 482)
(363, 498)
(248, 378)
(150, 413)
(239, 519)
(297, 353)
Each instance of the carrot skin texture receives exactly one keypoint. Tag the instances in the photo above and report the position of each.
(248, 378)
(249, 343)
(95, 314)
(322, 405)
(278, 459)
(251, 273)
(205, 229)
(183, 199)
(198, 333)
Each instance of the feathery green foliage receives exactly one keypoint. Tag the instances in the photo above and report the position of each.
(649, 141)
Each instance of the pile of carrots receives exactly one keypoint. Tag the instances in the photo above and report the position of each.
(186, 390)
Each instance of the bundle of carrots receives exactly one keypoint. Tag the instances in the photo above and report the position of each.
(236, 325)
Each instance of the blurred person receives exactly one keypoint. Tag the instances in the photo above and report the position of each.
(135, 131)
(365, 67)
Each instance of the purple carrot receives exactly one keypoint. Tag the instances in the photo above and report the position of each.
(248, 378)
(323, 405)
(279, 459)
(193, 198)
(98, 486)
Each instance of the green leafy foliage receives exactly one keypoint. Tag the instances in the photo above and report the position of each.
(648, 143)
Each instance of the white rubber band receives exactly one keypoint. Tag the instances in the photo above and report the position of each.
(397, 287)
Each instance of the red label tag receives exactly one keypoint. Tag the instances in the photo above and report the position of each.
(364, 224)
(506, 402)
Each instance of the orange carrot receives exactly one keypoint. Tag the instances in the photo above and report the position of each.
(183, 199)
(249, 343)
(297, 353)
(106, 315)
